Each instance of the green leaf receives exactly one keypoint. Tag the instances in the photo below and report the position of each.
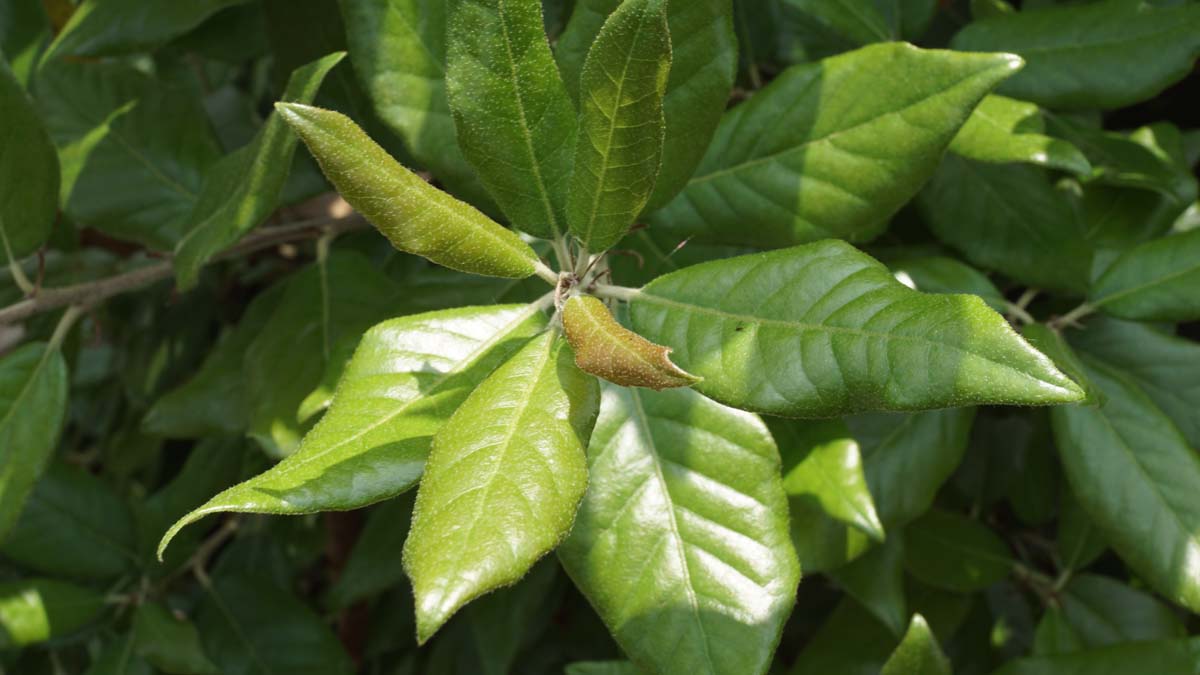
(116, 127)
(681, 542)
(107, 27)
(1054, 635)
(1009, 218)
(33, 405)
(939, 274)
(399, 52)
(406, 379)
(918, 653)
(37, 610)
(169, 643)
(876, 581)
(244, 187)
(619, 147)
(1162, 656)
(850, 642)
(1114, 53)
(602, 668)
(822, 463)
(504, 478)
(272, 635)
(119, 658)
(499, 624)
(1103, 611)
(1003, 130)
(607, 349)
(1157, 281)
(375, 564)
(860, 22)
(515, 122)
(1080, 541)
(415, 216)
(824, 330)
(1165, 367)
(950, 551)
(29, 177)
(1051, 343)
(24, 31)
(75, 526)
(806, 158)
(1134, 474)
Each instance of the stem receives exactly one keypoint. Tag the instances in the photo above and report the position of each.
(563, 253)
(64, 326)
(616, 292)
(545, 273)
(1072, 317)
(582, 262)
(14, 267)
(1015, 310)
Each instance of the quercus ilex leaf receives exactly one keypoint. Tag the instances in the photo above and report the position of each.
(605, 348)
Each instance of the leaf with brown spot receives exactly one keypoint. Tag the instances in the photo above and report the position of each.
(607, 349)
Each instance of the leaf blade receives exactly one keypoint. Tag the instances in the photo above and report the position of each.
(29, 171)
(607, 349)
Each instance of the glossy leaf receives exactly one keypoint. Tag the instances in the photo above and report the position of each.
(1100, 55)
(33, 406)
(823, 330)
(406, 379)
(29, 174)
(169, 643)
(107, 27)
(619, 147)
(1162, 656)
(876, 581)
(1103, 611)
(1157, 281)
(802, 160)
(1133, 473)
(415, 216)
(36, 610)
(1003, 130)
(939, 274)
(703, 67)
(1052, 343)
(681, 542)
(918, 653)
(953, 552)
(515, 122)
(607, 349)
(504, 478)
(244, 188)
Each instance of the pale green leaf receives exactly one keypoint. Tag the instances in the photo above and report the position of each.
(107, 27)
(681, 543)
(405, 380)
(504, 477)
(37, 610)
(169, 643)
(29, 174)
(918, 653)
(806, 158)
(1161, 656)
(619, 147)
(1003, 130)
(515, 122)
(946, 550)
(244, 187)
(1157, 281)
(823, 330)
(415, 216)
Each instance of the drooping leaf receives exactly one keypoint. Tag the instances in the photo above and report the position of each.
(1157, 281)
(514, 120)
(169, 643)
(876, 581)
(405, 380)
(1103, 611)
(607, 349)
(244, 187)
(802, 160)
(1160, 656)
(823, 330)
(619, 147)
(415, 216)
(1003, 130)
(504, 477)
(953, 552)
(1087, 56)
(116, 127)
(28, 171)
(37, 610)
(918, 653)
(107, 27)
(939, 274)
(33, 405)
(681, 542)
(1134, 474)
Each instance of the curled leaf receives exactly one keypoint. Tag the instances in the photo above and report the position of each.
(607, 349)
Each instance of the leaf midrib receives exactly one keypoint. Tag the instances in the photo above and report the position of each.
(1106, 299)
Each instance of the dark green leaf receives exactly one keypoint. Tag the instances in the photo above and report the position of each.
(602, 668)
(918, 653)
(1164, 656)
(37, 610)
(876, 581)
(499, 623)
(681, 543)
(953, 552)
(119, 658)
(1054, 635)
(1080, 541)
(1051, 343)
(504, 478)
(1157, 281)
(105, 27)
(823, 330)
(860, 22)
(802, 160)
(849, 642)
(169, 643)
(1103, 611)
(24, 31)
(28, 171)
(1003, 130)
(938, 274)
(375, 562)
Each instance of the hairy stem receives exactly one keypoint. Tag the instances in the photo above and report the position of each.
(616, 292)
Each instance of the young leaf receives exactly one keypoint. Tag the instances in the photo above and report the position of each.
(803, 159)
(28, 172)
(37, 610)
(1159, 656)
(918, 653)
(108, 27)
(504, 478)
(168, 643)
(243, 189)
(515, 122)
(1103, 611)
(681, 542)
(1134, 474)
(824, 330)
(1003, 130)
(1113, 55)
(33, 405)
(620, 139)
(607, 349)
(1157, 281)
(415, 216)
(406, 379)
(953, 552)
